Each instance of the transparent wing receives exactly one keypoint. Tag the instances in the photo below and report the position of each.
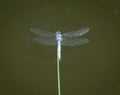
(45, 40)
(74, 41)
(42, 33)
(76, 33)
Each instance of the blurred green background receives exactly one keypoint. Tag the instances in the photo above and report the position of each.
(27, 68)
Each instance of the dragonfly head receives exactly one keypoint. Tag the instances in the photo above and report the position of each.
(58, 35)
(58, 32)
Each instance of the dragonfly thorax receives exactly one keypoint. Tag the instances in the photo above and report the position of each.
(58, 36)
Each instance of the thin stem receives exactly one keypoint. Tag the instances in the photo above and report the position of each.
(58, 74)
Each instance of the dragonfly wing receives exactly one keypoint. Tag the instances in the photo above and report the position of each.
(74, 41)
(76, 33)
(42, 33)
(45, 40)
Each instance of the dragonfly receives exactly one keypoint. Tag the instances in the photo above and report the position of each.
(58, 39)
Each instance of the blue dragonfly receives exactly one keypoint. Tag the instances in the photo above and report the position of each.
(58, 39)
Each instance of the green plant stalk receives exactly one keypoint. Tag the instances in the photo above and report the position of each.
(58, 74)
